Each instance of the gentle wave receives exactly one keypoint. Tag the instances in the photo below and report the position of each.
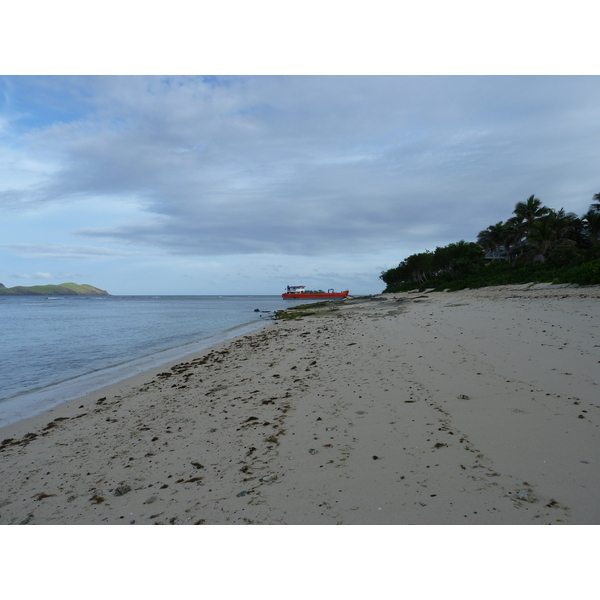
(55, 351)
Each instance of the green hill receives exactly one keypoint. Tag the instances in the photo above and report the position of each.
(64, 289)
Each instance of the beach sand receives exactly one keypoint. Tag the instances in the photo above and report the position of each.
(472, 407)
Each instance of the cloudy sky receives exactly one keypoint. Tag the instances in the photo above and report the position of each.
(246, 184)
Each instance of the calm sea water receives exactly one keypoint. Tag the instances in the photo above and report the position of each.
(52, 350)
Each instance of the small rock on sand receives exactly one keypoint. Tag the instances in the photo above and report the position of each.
(122, 490)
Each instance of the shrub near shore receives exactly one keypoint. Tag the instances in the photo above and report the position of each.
(537, 244)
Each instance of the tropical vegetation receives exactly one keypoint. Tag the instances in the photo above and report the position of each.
(536, 244)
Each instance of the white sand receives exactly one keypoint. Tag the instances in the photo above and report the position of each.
(475, 407)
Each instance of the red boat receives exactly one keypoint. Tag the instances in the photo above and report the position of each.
(299, 292)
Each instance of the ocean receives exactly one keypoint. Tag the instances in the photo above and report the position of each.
(53, 349)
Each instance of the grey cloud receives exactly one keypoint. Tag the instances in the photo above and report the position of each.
(66, 251)
(13, 199)
(39, 275)
(318, 165)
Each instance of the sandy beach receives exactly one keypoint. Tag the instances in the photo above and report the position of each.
(472, 407)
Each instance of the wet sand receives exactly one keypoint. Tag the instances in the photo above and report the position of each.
(473, 407)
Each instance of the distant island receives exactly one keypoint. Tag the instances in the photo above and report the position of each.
(64, 289)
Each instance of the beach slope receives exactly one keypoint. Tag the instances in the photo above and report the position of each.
(473, 407)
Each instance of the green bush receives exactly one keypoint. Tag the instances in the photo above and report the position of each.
(502, 273)
(569, 246)
(586, 274)
(565, 256)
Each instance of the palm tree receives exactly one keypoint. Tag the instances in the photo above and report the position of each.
(551, 231)
(541, 238)
(530, 210)
(492, 239)
(591, 221)
(513, 237)
(596, 205)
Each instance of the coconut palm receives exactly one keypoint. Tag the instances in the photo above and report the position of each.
(569, 228)
(591, 221)
(492, 238)
(553, 230)
(541, 238)
(514, 234)
(530, 210)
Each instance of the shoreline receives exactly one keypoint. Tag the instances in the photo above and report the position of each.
(38, 401)
(470, 407)
(124, 386)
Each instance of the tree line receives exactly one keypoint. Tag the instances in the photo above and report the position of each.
(536, 243)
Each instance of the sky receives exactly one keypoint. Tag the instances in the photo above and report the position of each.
(246, 184)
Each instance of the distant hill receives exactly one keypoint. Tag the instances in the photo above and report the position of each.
(64, 289)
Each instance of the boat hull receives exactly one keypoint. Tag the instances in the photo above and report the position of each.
(293, 296)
